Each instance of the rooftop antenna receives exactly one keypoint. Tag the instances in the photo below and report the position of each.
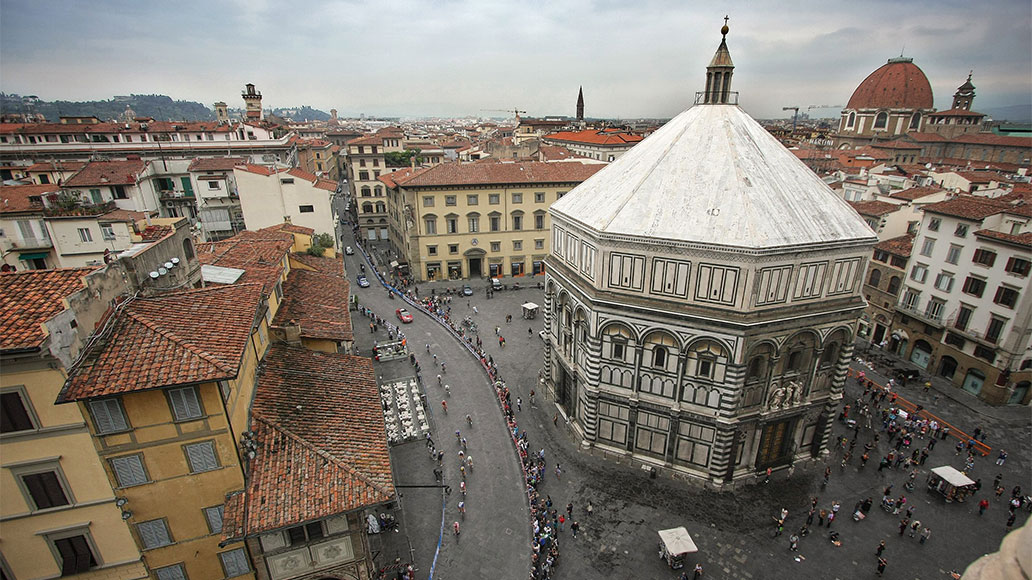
(903, 49)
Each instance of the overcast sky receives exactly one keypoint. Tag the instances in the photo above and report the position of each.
(634, 58)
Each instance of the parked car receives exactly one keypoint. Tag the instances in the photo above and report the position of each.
(403, 315)
(496, 284)
(467, 291)
(362, 281)
(349, 251)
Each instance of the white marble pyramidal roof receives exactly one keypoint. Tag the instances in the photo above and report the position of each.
(713, 176)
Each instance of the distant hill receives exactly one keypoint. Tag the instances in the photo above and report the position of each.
(160, 107)
(302, 113)
(1013, 113)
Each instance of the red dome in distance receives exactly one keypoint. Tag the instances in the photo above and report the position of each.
(898, 84)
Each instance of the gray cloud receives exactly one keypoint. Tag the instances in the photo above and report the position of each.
(456, 57)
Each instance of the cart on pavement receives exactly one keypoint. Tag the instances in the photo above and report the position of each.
(950, 483)
(674, 545)
(530, 310)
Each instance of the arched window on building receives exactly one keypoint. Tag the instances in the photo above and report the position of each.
(875, 278)
(881, 120)
(915, 122)
(893, 285)
(851, 121)
(188, 252)
(366, 192)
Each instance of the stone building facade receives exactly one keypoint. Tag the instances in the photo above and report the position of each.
(702, 297)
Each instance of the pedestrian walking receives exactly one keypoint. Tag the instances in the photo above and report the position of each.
(809, 516)
(569, 510)
(562, 520)
(766, 479)
(831, 518)
(589, 509)
(820, 517)
(558, 471)
(882, 563)
(982, 506)
(698, 572)
(925, 534)
(1010, 521)
(574, 527)
(519, 404)
(793, 542)
(779, 526)
(532, 397)
(880, 549)
(903, 523)
(1002, 457)
(555, 420)
(914, 528)
(455, 527)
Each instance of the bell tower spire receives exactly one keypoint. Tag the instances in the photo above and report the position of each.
(719, 72)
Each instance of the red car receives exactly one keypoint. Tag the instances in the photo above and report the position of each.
(403, 315)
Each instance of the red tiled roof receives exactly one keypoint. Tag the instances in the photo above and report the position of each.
(593, 137)
(926, 137)
(955, 113)
(896, 84)
(210, 164)
(1024, 240)
(15, 198)
(331, 266)
(318, 303)
(967, 207)
(325, 184)
(977, 176)
(56, 166)
(297, 172)
(901, 246)
(258, 254)
(259, 169)
(179, 338)
(873, 208)
(108, 173)
(501, 173)
(154, 233)
(992, 139)
(367, 140)
(321, 446)
(292, 228)
(31, 297)
(895, 144)
(915, 193)
(122, 215)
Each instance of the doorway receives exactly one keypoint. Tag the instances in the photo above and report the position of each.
(973, 381)
(921, 354)
(1020, 390)
(879, 334)
(775, 444)
(567, 390)
(475, 267)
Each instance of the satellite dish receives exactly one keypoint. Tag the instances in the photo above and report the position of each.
(169, 265)
(153, 274)
(162, 271)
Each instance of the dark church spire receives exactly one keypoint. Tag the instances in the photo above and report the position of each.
(580, 104)
(719, 71)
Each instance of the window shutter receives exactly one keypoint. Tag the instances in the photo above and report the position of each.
(107, 414)
(214, 516)
(178, 398)
(235, 562)
(153, 534)
(202, 457)
(171, 573)
(129, 470)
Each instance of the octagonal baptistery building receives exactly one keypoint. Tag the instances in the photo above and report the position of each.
(701, 298)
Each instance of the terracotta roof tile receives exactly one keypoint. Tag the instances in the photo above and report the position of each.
(123, 215)
(259, 254)
(56, 166)
(501, 173)
(170, 339)
(259, 169)
(210, 164)
(593, 137)
(154, 233)
(318, 303)
(915, 193)
(967, 207)
(322, 264)
(309, 177)
(30, 298)
(17, 198)
(901, 246)
(955, 113)
(108, 173)
(321, 446)
(873, 208)
(1024, 240)
(285, 227)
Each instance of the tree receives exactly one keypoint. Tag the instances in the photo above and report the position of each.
(320, 242)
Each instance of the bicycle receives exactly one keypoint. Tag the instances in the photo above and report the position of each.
(447, 390)
(444, 404)
(458, 435)
(464, 443)
(469, 420)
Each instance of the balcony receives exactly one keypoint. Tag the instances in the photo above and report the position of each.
(77, 209)
(310, 558)
(170, 194)
(922, 315)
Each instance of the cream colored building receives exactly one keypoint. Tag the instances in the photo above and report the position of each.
(269, 197)
(461, 220)
(58, 515)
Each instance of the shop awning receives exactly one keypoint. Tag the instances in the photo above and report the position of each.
(33, 255)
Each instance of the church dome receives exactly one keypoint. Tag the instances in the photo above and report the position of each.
(713, 176)
(898, 84)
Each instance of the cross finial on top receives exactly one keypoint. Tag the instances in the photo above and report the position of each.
(726, 18)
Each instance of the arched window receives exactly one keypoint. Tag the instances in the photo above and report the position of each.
(915, 121)
(875, 278)
(381, 207)
(893, 285)
(659, 356)
(851, 121)
(366, 192)
(367, 207)
(881, 120)
(795, 361)
(756, 369)
(188, 249)
(830, 354)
